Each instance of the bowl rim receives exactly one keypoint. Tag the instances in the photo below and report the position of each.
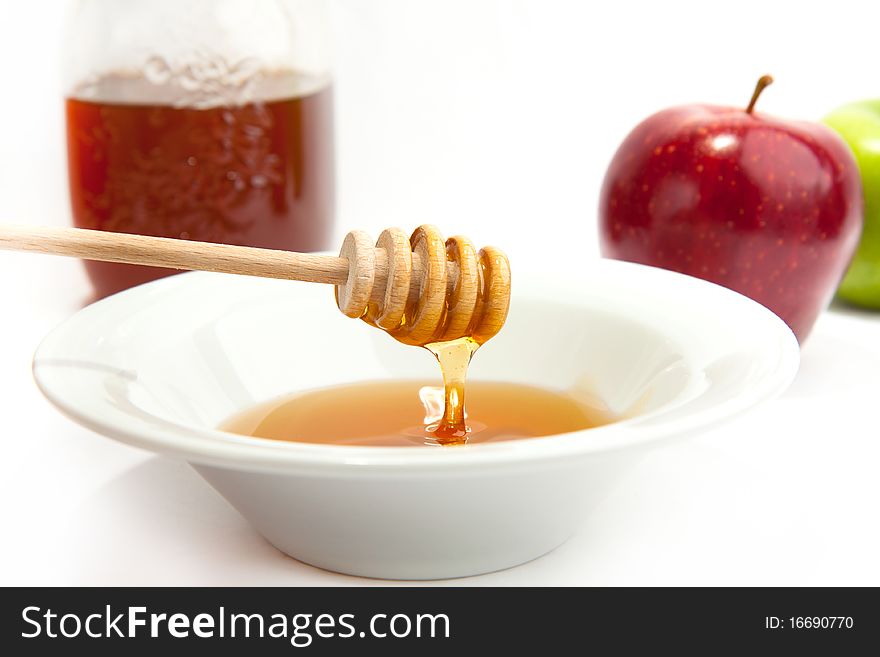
(213, 447)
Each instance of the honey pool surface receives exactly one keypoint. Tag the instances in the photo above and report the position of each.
(405, 414)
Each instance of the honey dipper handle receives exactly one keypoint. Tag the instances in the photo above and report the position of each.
(174, 253)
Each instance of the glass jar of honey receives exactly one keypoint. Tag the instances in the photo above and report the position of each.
(207, 120)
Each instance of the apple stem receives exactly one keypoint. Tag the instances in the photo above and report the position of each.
(763, 82)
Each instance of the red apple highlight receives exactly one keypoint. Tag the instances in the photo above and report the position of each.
(768, 207)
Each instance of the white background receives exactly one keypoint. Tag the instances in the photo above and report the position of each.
(497, 119)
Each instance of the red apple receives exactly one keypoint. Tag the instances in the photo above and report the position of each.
(768, 207)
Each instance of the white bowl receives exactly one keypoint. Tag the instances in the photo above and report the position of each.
(161, 365)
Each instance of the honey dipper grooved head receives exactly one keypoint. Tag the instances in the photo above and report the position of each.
(425, 289)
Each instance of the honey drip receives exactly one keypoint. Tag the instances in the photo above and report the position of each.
(454, 357)
(451, 319)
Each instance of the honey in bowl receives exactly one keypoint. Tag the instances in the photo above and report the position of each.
(407, 413)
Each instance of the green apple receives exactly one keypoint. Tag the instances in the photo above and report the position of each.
(859, 125)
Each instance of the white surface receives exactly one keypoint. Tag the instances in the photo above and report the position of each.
(160, 366)
(483, 117)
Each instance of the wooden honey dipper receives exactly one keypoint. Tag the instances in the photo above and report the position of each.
(420, 289)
